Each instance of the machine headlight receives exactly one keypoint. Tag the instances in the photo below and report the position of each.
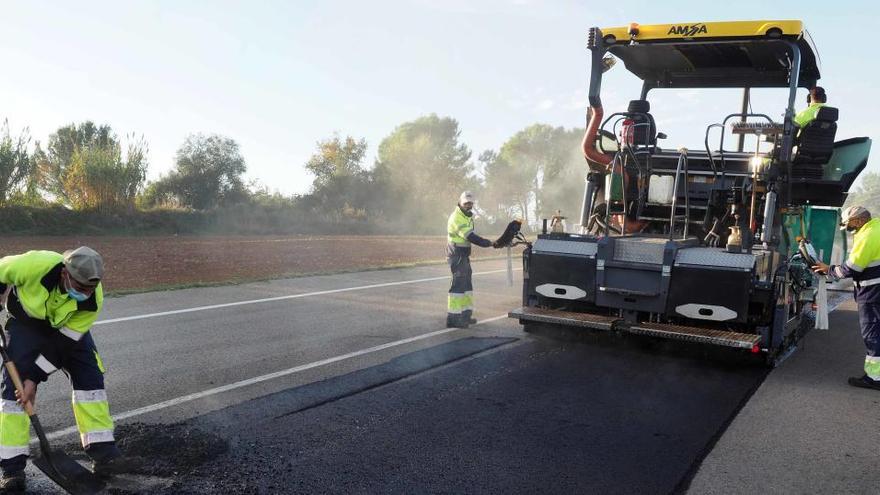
(756, 163)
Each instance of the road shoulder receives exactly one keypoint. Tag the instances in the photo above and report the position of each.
(805, 430)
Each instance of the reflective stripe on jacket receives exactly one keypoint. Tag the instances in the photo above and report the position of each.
(38, 295)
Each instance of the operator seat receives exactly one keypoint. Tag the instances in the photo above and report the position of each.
(815, 144)
(645, 130)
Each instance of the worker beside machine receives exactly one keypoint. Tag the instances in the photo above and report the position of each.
(863, 266)
(460, 235)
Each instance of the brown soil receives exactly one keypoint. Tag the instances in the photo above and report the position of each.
(144, 263)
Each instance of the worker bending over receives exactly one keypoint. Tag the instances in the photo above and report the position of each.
(54, 300)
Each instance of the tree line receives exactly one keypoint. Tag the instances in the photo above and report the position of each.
(866, 194)
(419, 170)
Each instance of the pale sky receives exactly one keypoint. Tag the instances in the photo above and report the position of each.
(279, 76)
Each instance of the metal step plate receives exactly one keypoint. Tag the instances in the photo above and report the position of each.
(639, 249)
(695, 334)
(570, 318)
(661, 330)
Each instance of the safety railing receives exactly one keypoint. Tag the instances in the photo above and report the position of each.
(616, 162)
(682, 166)
(722, 125)
(627, 151)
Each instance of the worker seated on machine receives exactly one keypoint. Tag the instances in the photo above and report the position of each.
(815, 100)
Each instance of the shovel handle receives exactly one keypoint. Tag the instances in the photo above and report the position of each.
(16, 380)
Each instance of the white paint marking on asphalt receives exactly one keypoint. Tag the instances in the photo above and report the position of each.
(271, 376)
(282, 298)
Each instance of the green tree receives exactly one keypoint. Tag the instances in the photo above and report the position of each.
(537, 171)
(867, 193)
(207, 173)
(342, 189)
(83, 166)
(336, 158)
(54, 163)
(15, 162)
(424, 167)
(99, 177)
(506, 194)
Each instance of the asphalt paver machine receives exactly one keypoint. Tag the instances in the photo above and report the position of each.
(708, 245)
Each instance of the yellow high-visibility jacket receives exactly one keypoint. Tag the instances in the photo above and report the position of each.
(863, 264)
(37, 294)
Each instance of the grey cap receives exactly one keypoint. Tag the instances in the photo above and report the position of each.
(85, 265)
(466, 197)
(853, 212)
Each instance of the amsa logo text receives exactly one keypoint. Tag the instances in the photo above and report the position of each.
(688, 30)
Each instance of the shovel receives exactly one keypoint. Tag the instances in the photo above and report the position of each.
(70, 475)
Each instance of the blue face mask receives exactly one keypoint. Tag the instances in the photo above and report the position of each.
(76, 295)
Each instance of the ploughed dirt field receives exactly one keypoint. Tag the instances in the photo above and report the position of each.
(144, 263)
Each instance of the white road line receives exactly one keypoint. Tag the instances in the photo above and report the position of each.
(282, 298)
(271, 376)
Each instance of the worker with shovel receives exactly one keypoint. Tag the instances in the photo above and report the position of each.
(53, 300)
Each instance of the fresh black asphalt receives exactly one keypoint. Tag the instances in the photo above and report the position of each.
(486, 410)
(534, 415)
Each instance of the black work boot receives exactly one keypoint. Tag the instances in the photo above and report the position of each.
(472, 321)
(13, 482)
(116, 465)
(456, 322)
(107, 460)
(864, 382)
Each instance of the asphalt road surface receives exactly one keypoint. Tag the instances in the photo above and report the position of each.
(350, 384)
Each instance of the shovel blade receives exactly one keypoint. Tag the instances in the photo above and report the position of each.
(70, 475)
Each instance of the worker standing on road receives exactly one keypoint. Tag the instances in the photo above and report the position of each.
(53, 300)
(460, 235)
(815, 100)
(863, 266)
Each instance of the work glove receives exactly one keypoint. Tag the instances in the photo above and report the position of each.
(508, 235)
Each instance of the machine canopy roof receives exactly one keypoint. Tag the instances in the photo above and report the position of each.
(715, 54)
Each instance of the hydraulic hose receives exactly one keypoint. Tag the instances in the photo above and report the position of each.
(588, 145)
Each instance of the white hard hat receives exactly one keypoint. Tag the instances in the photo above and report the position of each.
(466, 197)
(852, 212)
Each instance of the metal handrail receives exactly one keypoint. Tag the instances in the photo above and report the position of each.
(724, 124)
(613, 132)
(682, 162)
(632, 151)
(709, 150)
(616, 160)
(623, 116)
